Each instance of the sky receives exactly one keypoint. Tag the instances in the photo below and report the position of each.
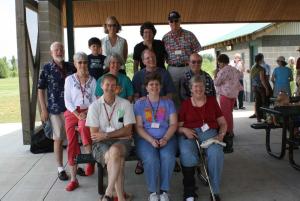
(8, 40)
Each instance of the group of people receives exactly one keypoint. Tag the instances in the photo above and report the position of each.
(162, 110)
(282, 79)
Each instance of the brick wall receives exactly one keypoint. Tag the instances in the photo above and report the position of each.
(50, 28)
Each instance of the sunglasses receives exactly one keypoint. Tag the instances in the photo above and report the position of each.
(82, 62)
(173, 21)
(111, 25)
(196, 61)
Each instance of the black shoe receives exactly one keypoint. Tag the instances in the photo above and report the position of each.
(252, 116)
(217, 197)
(80, 172)
(242, 108)
(63, 176)
(228, 139)
(235, 108)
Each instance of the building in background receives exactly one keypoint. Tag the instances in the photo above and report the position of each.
(271, 39)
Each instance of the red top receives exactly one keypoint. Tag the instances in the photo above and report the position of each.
(298, 64)
(194, 117)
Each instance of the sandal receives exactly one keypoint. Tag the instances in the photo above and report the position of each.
(128, 197)
(139, 169)
(107, 198)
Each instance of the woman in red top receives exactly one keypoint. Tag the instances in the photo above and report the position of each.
(200, 117)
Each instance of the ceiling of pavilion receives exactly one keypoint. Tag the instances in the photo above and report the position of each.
(89, 13)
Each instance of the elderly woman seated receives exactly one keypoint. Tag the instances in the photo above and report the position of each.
(79, 94)
(200, 117)
(124, 88)
(156, 123)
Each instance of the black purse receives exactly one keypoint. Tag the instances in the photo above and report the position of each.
(40, 143)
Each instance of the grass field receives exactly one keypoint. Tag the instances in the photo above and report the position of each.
(9, 100)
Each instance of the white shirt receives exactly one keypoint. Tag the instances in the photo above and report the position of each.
(121, 113)
(118, 48)
(79, 96)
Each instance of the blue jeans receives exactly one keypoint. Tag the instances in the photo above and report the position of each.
(158, 162)
(189, 156)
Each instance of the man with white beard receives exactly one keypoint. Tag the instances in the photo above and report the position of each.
(52, 80)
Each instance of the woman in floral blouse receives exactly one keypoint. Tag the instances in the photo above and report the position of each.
(227, 87)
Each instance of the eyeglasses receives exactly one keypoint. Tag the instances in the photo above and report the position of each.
(82, 62)
(196, 61)
(174, 21)
(111, 25)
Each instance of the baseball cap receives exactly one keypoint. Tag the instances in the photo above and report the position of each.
(173, 15)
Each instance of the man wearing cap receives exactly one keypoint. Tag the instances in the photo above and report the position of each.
(298, 74)
(179, 44)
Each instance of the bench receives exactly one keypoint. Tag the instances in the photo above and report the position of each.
(88, 158)
(268, 127)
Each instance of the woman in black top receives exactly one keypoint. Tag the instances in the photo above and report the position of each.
(148, 32)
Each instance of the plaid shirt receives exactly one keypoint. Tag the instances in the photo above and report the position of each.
(52, 79)
(182, 40)
(185, 91)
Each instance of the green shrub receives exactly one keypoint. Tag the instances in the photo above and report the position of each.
(3, 69)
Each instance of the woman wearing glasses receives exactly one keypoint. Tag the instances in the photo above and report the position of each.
(79, 94)
(112, 43)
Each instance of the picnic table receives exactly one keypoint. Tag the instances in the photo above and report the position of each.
(288, 114)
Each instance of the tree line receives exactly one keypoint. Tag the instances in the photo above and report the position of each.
(8, 68)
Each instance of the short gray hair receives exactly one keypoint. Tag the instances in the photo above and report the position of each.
(54, 44)
(196, 79)
(115, 56)
(80, 56)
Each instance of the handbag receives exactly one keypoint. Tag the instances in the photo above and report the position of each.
(40, 143)
(47, 126)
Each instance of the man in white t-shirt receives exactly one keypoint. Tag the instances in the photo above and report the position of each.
(110, 119)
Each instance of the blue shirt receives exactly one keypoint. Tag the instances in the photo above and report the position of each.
(140, 88)
(52, 78)
(160, 114)
(282, 77)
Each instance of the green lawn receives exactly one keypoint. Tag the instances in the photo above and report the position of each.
(9, 100)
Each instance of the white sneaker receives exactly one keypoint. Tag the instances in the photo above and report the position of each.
(190, 199)
(153, 197)
(164, 197)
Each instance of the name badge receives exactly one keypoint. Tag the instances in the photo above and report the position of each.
(110, 129)
(178, 52)
(204, 128)
(154, 125)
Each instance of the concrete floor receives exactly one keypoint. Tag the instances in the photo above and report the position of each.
(250, 174)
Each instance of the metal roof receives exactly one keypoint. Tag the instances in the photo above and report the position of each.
(243, 31)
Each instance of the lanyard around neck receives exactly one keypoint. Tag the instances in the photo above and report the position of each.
(109, 117)
(154, 111)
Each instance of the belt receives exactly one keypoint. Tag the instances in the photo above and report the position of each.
(178, 65)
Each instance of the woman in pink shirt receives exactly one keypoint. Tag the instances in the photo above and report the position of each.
(227, 87)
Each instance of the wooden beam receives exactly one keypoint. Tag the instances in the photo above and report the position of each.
(70, 28)
(23, 70)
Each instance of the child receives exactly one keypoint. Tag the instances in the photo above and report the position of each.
(96, 59)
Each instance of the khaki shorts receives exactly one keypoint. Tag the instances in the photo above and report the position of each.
(100, 148)
(58, 126)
